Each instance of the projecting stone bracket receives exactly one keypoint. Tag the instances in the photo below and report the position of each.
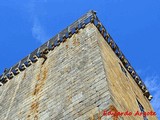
(16, 71)
(22, 67)
(90, 17)
(1, 84)
(120, 55)
(4, 79)
(10, 75)
(28, 63)
(34, 59)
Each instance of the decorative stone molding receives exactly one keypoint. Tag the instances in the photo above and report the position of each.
(89, 17)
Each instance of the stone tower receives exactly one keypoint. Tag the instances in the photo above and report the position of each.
(80, 74)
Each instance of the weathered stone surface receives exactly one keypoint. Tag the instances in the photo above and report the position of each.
(69, 85)
(79, 80)
(124, 90)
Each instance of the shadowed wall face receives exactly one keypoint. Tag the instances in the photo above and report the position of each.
(123, 88)
(70, 84)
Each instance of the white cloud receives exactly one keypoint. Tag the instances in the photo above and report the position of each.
(152, 82)
(153, 85)
(38, 31)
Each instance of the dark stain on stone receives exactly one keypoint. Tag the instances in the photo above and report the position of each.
(40, 83)
(67, 46)
(36, 117)
(113, 109)
(76, 42)
(24, 75)
(96, 116)
(35, 106)
(41, 78)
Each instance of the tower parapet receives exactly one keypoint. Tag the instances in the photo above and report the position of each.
(90, 17)
(80, 73)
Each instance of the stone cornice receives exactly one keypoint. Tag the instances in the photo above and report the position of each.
(89, 17)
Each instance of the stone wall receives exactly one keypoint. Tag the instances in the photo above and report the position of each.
(81, 78)
(124, 90)
(70, 85)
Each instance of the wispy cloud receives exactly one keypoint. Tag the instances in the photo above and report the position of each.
(153, 84)
(38, 31)
(152, 81)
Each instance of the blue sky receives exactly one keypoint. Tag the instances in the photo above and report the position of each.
(134, 25)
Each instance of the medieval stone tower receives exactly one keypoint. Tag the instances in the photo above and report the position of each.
(77, 75)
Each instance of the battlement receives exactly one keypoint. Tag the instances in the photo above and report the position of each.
(88, 18)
